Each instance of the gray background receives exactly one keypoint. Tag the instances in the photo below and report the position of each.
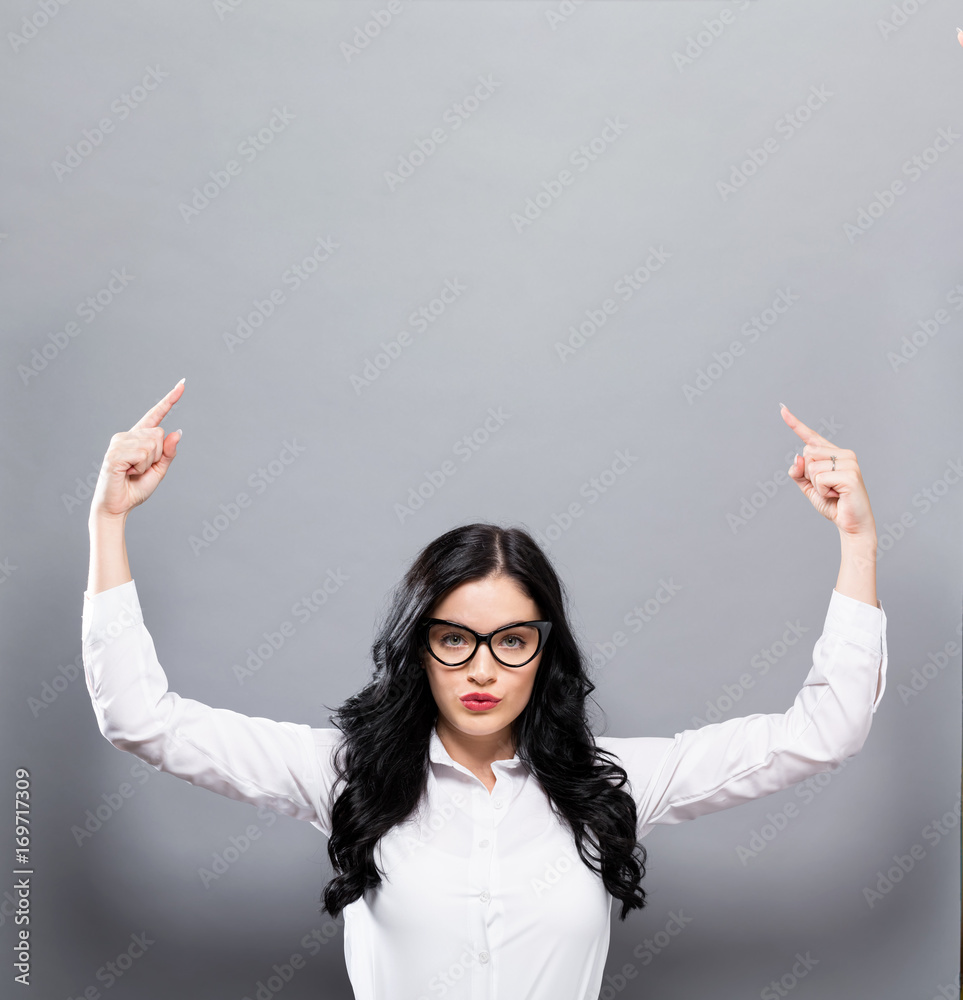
(667, 518)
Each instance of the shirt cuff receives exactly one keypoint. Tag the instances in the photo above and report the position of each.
(109, 612)
(861, 623)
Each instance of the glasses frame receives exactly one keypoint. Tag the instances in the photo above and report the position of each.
(543, 631)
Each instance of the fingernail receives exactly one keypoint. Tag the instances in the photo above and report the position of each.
(781, 405)
(179, 434)
(182, 381)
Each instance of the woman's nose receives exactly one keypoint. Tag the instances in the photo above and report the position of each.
(483, 664)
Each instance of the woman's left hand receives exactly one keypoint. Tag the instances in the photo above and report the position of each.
(838, 495)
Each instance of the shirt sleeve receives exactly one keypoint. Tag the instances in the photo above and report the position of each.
(718, 766)
(283, 765)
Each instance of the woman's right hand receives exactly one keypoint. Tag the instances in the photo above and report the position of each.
(136, 461)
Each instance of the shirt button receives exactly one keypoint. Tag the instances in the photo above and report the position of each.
(483, 843)
(485, 896)
(497, 803)
(483, 956)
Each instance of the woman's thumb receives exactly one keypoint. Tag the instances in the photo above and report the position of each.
(169, 450)
(798, 474)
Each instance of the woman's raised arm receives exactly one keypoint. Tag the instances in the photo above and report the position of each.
(283, 765)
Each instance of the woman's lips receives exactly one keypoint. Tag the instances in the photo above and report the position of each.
(479, 702)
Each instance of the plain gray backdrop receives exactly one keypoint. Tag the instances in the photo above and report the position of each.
(734, 155)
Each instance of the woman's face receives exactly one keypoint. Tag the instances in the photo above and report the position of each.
(483, 605)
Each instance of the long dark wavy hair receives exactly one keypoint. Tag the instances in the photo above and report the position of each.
(382, 757)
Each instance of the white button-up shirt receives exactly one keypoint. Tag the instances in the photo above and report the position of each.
(484, 894)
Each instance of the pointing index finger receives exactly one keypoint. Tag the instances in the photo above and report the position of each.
(159, 410)
(806, 433)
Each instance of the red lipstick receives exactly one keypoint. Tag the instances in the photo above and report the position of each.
(478, 702)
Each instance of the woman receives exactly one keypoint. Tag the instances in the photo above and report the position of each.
(478, 831)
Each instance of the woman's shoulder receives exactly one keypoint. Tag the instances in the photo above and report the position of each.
(325, 740)
(638, 753)
(324, 735)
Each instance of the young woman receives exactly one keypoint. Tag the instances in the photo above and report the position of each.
(478, 831)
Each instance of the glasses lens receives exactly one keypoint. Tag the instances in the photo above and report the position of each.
(450, 643)
(515, 645)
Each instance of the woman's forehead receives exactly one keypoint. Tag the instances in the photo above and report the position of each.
(487, 603)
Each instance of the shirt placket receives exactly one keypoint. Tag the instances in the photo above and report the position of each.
(488, 810)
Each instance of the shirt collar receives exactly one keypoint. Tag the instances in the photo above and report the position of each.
(438, 753)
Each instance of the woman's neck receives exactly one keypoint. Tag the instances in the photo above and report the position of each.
(476, 752)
